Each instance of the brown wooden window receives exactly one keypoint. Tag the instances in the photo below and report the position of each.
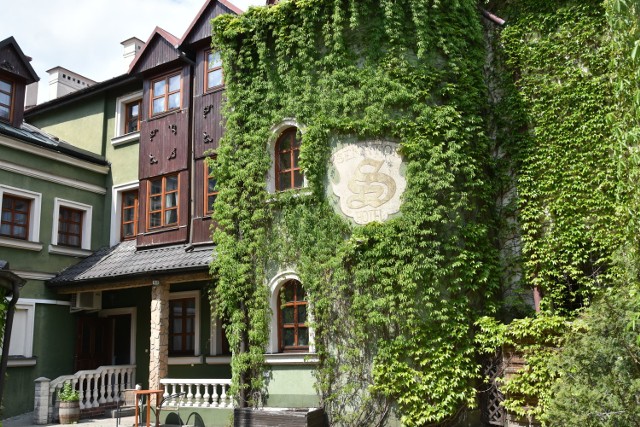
(163, 201)
(165, 94)
(132, 116)
(213, 73)
(15, 217)
(6, 95)
(211, 192)
(292, 321)
(129, 222)
(182, 326)
(287, 151)
(70, 227)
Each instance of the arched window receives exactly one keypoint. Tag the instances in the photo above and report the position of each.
(293, 330)
(287, 151)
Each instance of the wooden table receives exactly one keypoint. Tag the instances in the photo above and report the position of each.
(148, 393)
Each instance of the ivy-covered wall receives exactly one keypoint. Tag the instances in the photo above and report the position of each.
(521, 137)
(393, 303)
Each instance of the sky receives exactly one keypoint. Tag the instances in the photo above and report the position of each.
(84, 35)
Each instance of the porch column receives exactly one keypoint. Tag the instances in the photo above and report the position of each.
(159, 339)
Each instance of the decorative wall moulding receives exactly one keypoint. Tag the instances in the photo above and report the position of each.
(366, 180)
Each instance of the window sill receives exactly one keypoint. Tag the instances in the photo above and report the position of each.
(291, 359)
(218, 360)
(185, 360)
(165, 113)
(21, 244)
(214, 89)
(20, 361)
(63, 250)
(125, 139)
(161, 230)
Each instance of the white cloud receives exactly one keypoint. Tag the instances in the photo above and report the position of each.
(84, 36)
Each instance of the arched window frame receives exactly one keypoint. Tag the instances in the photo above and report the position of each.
(275, 287)
(276, 132)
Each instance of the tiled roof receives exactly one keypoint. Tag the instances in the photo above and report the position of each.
(33, 135)
(123, 260)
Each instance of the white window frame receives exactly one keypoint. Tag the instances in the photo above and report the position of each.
(85, 245)
(121, 103)
(274, 287)
(24, 331)
(197, 357)
(33, 241)
(116, 209)
(276, 131)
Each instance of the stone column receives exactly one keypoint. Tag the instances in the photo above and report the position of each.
(42, 401)
(159, 339)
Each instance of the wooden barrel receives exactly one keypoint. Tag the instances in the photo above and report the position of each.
(69, 412)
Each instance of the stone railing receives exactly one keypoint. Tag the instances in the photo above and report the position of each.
(197, 393)
(96, 387)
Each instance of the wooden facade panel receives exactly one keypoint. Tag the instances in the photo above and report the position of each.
(171, 234)
(201, 29)
(164, 139)
(159, 52)
(12, 63)
(208, 125)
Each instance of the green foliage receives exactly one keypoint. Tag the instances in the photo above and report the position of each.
(599, 366)
(68, 394)
(393, 303)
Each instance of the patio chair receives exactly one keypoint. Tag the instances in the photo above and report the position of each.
(125, 401)
(173, 403)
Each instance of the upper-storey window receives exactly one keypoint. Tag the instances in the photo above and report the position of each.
(213, 72)
(70, 227)
(165, 94)
(15, 217)
(129, 216)
(287, 151)
(132, 116)
(211, 192)
(163, 201)
(6, 95)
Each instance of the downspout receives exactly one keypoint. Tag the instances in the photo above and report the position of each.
(16, 284)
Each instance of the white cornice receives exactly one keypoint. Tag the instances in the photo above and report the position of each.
(34, 173)
(63, 158)
(34, 275)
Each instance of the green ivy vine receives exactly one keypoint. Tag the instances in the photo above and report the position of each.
(394, 303)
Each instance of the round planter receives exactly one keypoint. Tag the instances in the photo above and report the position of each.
(69, 412)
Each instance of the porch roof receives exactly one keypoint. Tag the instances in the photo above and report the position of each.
(124, 261)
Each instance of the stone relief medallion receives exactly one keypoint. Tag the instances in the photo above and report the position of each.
(366, 180)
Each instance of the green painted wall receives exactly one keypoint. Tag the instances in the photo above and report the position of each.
(53, 349)
(292, 387)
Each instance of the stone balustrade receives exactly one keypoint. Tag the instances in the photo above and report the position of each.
(197, 393)
(96, 387)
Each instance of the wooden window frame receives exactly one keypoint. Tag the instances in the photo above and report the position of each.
(208, 208)
(165, 96)
(186, 318)
(294, 152)
(296, 325)
(163, 208)
(128, 118)
(208, 69)
(12, 212)
(123, 209)
(11, 98)
(64, 236)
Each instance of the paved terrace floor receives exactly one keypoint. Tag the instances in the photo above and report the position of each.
(26, 420)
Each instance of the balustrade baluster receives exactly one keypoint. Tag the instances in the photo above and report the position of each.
(103, 386)
(189, 395)
(109, 388)
(206, 396)
(197, 402)
(223, 396)
(96, 390)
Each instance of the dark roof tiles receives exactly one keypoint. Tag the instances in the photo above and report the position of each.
(124, 260)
